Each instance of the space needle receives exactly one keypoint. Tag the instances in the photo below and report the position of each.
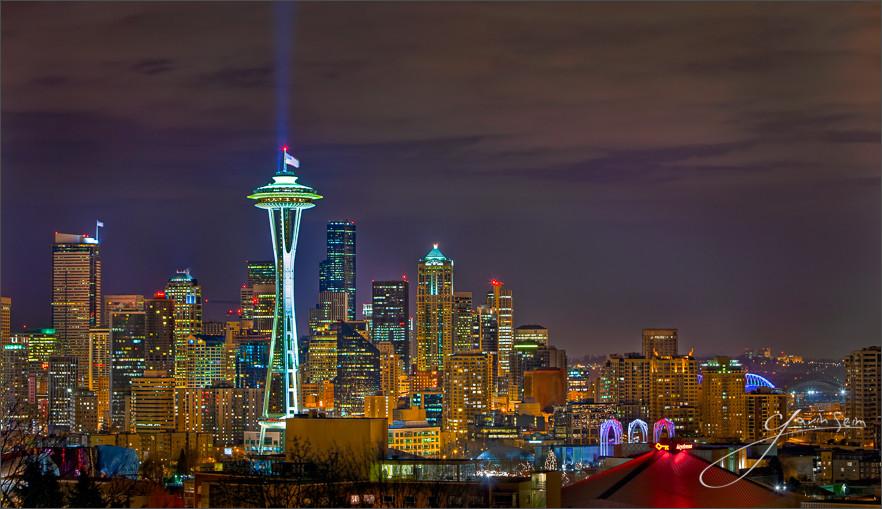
(285, 200)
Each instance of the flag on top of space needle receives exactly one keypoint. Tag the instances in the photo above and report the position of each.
(291, 160)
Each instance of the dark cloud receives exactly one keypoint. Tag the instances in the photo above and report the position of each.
(243, 77)
(710, 165)
(151, 66)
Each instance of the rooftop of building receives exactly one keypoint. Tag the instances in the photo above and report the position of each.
(435, 255)
(670, 479)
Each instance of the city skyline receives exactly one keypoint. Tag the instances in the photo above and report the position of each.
(720, 181)
(574, 254)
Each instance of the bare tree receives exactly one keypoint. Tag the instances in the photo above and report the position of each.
(23, 436)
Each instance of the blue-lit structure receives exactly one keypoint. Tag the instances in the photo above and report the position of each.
(753, 381)
(638, 432)
(610, 435)
(284, 199)
(663, 424)
(337, 271)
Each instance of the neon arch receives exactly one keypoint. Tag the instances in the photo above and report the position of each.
(753, 381)
(638, 432)
(663, 424)
(605, 440)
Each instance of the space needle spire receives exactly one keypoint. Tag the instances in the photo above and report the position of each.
(284, 199)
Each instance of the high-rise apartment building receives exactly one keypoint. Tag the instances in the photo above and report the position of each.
(127, 337)
(765, 410)
(500, 299)
(358, 369)
(337, 271)
(160, 330)
(660, 341)
(153, 402)
(389, 316)
(85, 411)
(722, 399)
(5, 320)
(863, 374)
(463, 318)
(186, 294)
(468, 391)
(76, 295)
(207, 360)
(673, 392)
(42, 344)
(63, 372)
(229, 412)
(434, 314)
(624, 382)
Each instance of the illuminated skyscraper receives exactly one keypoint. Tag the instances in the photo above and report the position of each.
(14, 370)
(76, 295)
(337, 271)
(390, 311)
(722, 399)
(463, 316)
(85, 416)
(661, 341)
(332, 307)
(863, 400)
(208, 360)
(99, 374)
(160, 329)
(258, 295)
(434, 315)
(321, 364)
(673, 391)
(468, 391)
(485, 331)
(251, 357)
(184, 290)
(127, 335)
(765, 410)
(500, 299)
(153, 402)
(42, 344)
(358, 369)
(284, 199)
(62, 384)
(5, 320)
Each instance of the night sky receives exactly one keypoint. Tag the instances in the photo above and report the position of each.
(713, 167)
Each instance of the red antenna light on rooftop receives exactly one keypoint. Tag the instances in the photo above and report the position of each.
(495, 282)
(284, 148)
